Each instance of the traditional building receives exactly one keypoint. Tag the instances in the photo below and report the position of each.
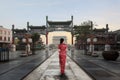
(52, 26)
(104, 37)
(117, 38)
(5, 36)
(18, 36)
(18, 33)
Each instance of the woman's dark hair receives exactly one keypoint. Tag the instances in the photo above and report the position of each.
(61, 40)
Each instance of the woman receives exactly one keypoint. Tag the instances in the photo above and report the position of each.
(62, 55)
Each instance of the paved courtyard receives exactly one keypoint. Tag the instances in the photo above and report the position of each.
(50, 70)
(45, 66)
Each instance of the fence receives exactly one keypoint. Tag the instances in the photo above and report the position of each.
(4, 54)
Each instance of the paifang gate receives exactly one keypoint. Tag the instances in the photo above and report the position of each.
(52, 26)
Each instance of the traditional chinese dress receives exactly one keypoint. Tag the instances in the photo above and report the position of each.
(62, 57)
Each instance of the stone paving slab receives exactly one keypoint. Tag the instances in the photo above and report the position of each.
(20, 67)
(97, 67)
(50, 70)
(21, 71)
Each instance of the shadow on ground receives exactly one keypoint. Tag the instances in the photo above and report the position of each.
(61, 77)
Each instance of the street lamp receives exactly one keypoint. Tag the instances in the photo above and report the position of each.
(30, 40)
(91, 47)
(24, 40)
(27, 40)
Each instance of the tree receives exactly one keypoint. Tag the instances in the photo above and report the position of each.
(81, 32)
(35, 37)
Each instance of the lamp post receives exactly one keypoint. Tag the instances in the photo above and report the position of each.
(107, 45)
(23, 40)
(91, 47)
(27, 40)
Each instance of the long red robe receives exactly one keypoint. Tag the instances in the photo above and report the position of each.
(62, 57)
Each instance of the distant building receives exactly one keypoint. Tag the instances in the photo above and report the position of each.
(103, 37)
(56, 39)
(18, 36)
(117, 38)
(5, 36)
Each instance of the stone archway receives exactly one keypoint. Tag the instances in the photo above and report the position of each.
(57, 35)
(59, 26)
(52, 26)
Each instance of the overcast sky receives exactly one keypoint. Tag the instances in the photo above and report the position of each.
(18, 12)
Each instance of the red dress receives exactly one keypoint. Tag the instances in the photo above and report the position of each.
(62, 57)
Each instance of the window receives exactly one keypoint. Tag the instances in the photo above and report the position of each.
(0, 37)
(4, 38)
(8, 38)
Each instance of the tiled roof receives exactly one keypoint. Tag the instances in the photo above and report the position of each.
(59, 22)
(37, 27)
(100, 30)
(20, 30)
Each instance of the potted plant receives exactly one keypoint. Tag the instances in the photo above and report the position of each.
(110, 55)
